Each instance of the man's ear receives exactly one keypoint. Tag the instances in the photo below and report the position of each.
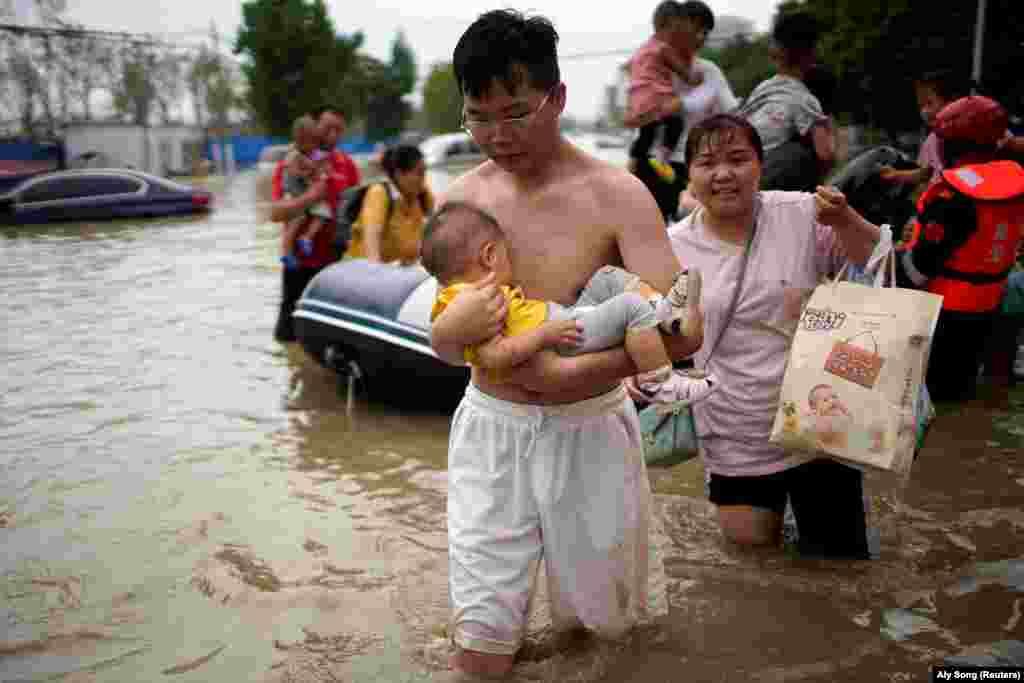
(488, 254)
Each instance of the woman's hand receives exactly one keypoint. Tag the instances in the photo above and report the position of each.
(831, 205)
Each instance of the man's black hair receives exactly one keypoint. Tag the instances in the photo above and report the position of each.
(796, 30)
(698, 11)
(507, 46)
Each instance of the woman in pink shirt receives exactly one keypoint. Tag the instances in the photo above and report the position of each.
(795, 240)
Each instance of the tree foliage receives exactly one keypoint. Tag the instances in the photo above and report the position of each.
(134, 92)
(745, 61)
(213, 82)
(402, 69)
(295, 60)
(877, 48)
(442, 102)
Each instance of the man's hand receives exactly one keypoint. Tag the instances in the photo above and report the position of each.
(565, 334)
(475, 315)
(831, 205)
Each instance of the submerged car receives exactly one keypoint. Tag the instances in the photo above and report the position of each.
(98, 194)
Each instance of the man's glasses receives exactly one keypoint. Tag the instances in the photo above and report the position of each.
(478, 128)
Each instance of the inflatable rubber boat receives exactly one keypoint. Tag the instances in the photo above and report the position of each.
(371, 321)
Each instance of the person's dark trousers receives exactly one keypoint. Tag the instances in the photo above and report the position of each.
(293, 282)
(1001, 350)
(665, 194)
(828, 504)
(671, 129)
(957, 351)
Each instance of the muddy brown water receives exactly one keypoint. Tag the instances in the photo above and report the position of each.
(183, 499)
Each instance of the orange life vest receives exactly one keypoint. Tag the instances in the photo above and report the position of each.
(974, 277)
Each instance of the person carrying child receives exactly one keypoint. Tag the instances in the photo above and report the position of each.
(652, 105)
(341, 175)
(303, 165)
(463, 244)
(969, 227)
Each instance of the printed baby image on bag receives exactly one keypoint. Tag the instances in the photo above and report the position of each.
(854, 374)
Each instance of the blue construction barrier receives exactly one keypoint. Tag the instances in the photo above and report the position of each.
(29, 151)
(247, 148)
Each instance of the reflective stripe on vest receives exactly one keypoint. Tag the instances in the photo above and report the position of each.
(974, 277)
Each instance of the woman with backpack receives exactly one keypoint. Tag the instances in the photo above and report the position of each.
(391, 219)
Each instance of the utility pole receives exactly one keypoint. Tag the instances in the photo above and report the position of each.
(979, 43)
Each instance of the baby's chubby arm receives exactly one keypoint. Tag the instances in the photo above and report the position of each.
(502, 352)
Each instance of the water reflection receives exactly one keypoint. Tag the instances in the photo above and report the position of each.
(184, 497)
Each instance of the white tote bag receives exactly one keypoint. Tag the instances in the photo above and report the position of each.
(855, 370)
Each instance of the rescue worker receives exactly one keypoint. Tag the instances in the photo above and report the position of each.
(970, 222)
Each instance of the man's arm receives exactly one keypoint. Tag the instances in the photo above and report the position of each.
(646, 251)
(503, 353)
(286, 209)
(696, 100)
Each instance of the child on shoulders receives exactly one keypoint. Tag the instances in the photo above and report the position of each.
(650, 107)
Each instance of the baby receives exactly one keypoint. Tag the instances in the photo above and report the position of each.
(463, 244)
(831, 419)
(305, 162)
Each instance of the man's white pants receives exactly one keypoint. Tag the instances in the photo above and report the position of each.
(566, 484)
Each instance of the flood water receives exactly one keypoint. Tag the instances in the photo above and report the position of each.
(184, 499)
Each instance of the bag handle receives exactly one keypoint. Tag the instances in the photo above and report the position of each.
(882, 260)
(862, 332)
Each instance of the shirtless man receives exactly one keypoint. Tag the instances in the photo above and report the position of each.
(547, 465)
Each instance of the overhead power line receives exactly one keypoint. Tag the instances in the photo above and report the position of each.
(72, 32)
(711, 42)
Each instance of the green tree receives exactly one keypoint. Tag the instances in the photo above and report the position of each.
(877, 47)
(212, 80)
(402, 68)
(442, 102)
(295, 61)
(135, 92)
(745, 61)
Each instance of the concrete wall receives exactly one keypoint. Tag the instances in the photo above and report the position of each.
(159, 150)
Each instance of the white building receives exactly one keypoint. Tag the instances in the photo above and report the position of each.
(163, 150)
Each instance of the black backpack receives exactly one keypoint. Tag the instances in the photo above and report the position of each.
(350, 203)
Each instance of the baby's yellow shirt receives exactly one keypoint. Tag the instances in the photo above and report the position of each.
(523, 315)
